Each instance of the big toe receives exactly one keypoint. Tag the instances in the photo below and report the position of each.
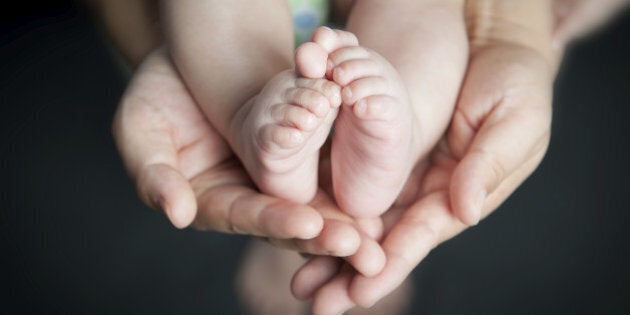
(310, 60)
(332, 40)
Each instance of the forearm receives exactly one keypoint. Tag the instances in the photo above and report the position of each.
(575, 18)
(226, 52)
(527, 24)
(132, 25)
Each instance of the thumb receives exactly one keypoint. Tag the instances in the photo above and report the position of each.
(151, 163)
(164, 188)
(145, 145)
(502, 145)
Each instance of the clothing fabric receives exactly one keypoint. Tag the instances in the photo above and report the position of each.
(307, 16)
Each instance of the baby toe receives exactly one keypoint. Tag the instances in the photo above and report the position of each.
(273, 137)
(329, 89)
(376, 107)
(355, 69)
(314, 101)
(364, 87)
(346, 38)
(311, 60)
(289, 115)
(332, 40)
(348, 53)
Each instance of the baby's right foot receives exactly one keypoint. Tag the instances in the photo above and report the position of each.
(279, 133)
(375, 142)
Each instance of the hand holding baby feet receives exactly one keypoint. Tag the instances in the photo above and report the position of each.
(281, 130)
(375, 142)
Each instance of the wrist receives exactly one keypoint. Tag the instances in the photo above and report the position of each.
(525, 24)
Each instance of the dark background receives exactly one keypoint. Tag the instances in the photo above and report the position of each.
(75, 239)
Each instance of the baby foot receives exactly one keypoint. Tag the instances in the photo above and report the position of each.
(279, 133)
(375, 141)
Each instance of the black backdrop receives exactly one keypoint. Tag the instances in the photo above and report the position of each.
(74, 238)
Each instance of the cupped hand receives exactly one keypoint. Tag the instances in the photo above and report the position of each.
(181, 166)
(575, 18)
(498, 135)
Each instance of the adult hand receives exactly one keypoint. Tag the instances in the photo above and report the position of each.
(575, 18)
(181, 166)
(498, 135)
(176, 159)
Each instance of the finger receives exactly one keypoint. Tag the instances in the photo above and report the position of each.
(409, 241)
(509, 184)
(373, 227)
(160, 185)
(313, 275)
(503, 143)
(500, 194)
(418, 231)
(338, 239)
(235, 208)
(150, 157)
(333, 298)
(369, 258)
(341, 239)
(165, 188)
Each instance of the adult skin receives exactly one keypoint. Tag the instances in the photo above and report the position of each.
(181, 166)
(575, 18)
(490, 130)
(498, 136)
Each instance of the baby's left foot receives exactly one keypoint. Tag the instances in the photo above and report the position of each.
(375, 141)
(280, 131)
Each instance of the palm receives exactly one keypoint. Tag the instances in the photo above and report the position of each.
(197, 146)
(182, 166)
(164, 134)
(499, 129)
(497, 137)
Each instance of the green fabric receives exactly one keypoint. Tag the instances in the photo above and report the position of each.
(307, 16)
